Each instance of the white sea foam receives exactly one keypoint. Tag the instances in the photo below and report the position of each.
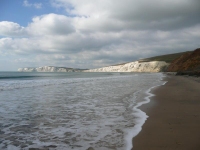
(74, 113)
(141, 116)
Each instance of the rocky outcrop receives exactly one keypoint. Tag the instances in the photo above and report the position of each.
(187, 62)
(49, 69)
(153, 66)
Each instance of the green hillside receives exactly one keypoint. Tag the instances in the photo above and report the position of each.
(167, 58)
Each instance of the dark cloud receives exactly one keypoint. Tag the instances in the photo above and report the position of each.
(159, 15)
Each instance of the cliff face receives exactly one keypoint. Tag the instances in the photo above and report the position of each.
(187, 62)
(49, 69)
(178, 62)
(154, 66)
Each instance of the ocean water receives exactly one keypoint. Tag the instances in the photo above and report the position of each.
(73, 111)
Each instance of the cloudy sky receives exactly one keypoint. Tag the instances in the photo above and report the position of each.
(94, 33)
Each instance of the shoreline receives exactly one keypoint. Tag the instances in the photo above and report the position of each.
(140, 114)
(174, 116)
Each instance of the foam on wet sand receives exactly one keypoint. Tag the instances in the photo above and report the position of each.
(174, 117)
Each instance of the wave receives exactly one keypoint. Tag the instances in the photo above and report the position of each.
(20, 77)
(43, 81)
(67, 108)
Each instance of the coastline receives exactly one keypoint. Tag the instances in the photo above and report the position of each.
(140, 114)
(174, 116)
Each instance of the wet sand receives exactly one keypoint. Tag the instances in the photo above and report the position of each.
(174, 117)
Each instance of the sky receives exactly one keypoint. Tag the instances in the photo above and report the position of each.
(94, 33)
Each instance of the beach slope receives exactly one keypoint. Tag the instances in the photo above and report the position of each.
(174, 117)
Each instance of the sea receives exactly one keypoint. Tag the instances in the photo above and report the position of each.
(73, 111)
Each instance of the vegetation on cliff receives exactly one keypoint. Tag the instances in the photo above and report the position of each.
(167, 58)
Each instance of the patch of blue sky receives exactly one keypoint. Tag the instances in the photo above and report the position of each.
(16, 11)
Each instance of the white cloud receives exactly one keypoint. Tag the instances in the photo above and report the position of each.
(137, 14)
(11, 29)
(36, 5)
(51, 24)
(103, 32)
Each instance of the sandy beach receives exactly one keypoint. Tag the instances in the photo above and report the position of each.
(174, 117)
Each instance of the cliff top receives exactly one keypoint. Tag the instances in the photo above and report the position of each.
(167, 58)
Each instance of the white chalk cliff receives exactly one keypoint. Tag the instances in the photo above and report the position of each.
(152, 66)
(136, 66)
(48, 69)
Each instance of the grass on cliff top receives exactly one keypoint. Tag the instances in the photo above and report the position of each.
(167, 58)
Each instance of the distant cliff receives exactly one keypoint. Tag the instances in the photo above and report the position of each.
(49, 69)
(153, 66)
